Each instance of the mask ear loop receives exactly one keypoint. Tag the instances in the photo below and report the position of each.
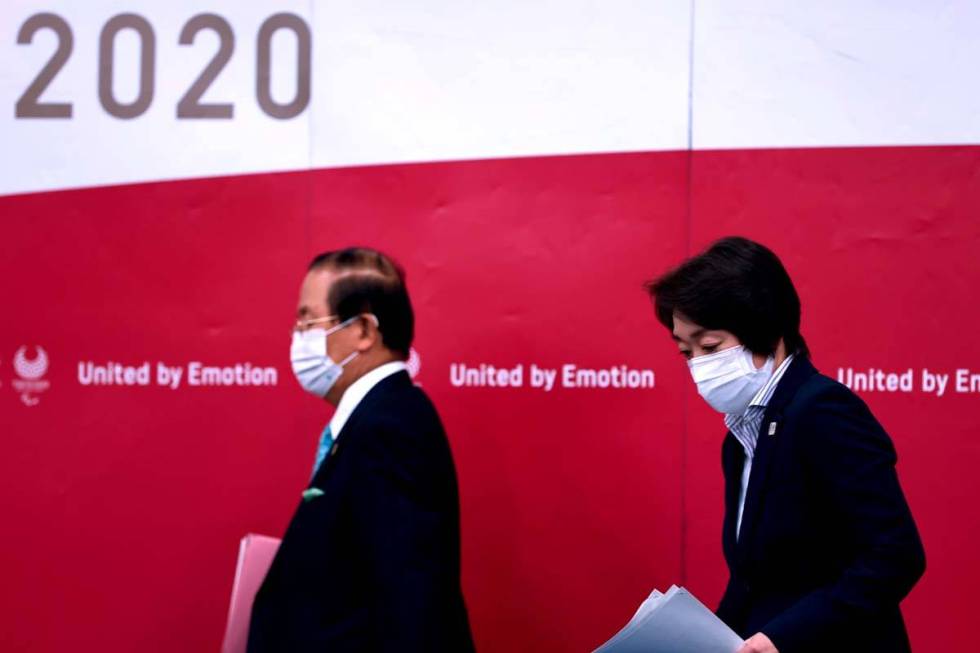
(374, 318)
(354, 354)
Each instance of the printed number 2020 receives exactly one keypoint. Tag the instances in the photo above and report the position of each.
(190, 105)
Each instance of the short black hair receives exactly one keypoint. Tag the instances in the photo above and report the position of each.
(735, 285)
(372, 283)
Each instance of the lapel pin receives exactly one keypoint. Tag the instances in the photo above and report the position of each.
(772, 428)
(333, 449)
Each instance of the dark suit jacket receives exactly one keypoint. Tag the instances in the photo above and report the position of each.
(373, 564)
(827, 548)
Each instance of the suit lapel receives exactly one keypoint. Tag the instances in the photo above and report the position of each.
(732, 458)
(367, 405)
(767, 447)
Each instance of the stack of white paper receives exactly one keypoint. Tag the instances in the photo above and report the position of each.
(674, 622)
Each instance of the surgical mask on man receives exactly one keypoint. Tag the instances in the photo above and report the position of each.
(728, 379)
(312, 365)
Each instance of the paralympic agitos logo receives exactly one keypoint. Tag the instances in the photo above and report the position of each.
(31, 371)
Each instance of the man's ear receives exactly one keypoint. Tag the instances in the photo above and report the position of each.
(368, 334)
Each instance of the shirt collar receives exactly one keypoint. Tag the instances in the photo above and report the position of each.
(763, 396)
(358, 390)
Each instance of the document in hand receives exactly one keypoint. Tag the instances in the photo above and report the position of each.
(255, 554)
(674, 622)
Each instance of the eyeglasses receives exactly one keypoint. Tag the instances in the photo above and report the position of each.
(303, 325)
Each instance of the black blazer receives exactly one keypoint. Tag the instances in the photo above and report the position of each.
(372, 564)
(827, 547)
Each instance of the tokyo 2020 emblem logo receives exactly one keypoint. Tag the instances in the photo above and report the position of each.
(414, 363)
(31, 370)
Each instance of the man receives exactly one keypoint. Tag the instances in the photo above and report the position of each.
(370, 560)
(819, 541)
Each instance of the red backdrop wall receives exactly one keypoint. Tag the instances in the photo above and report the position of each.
(124, 504)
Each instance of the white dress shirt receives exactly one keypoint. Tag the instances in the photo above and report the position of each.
(745, 428)
(358, 390)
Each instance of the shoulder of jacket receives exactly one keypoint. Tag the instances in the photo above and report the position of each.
(821, 386)
(822, 393)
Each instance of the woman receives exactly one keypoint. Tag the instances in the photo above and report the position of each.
(819, 541)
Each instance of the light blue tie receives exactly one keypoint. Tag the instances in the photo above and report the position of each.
(326, 441)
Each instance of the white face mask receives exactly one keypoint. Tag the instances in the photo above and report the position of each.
(728, 379)
(312, 366)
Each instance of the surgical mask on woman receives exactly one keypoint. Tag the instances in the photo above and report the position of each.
(728, 379)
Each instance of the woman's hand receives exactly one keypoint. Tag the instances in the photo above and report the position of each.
(758, 643)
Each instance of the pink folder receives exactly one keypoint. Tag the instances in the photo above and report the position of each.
(255, 554)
